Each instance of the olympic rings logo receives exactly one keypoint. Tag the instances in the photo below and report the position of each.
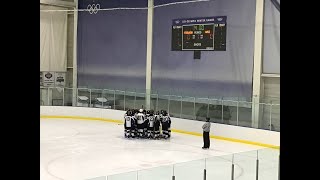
(93, 8)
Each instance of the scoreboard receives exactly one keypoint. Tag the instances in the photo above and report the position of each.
(207, 33)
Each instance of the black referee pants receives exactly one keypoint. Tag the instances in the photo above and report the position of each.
(206, 140)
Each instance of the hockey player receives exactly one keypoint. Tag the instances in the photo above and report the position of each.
(166, 122)
(150, 124)
(161, 123)
(146, 123)
(128, 124)
(157, 125)
(140, 122)
(157, 115)
(134, 125)
(124, 124)
(169, 125)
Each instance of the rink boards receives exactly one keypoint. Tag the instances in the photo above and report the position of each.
(239, 134)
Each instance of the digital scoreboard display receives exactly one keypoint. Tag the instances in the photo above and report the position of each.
(207, 33)
(197, 37)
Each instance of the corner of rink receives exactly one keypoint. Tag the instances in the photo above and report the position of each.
(259, 137)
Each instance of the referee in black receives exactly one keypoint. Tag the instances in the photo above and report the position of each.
(206, 134)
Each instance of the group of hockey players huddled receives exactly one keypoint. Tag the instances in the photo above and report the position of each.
(147, 124)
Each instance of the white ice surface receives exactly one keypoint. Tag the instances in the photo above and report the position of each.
(79, 150)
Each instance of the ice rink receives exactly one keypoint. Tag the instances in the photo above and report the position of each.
(83, 149)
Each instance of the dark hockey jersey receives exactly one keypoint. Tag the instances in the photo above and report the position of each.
(166, 119)
(157, 123)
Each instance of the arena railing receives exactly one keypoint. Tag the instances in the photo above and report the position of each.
(258, 164)
(224, 110)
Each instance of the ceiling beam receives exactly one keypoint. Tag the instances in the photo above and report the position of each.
(59, 3)
(270, 75)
